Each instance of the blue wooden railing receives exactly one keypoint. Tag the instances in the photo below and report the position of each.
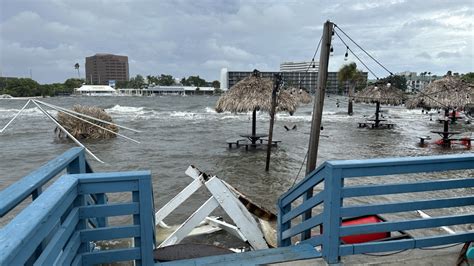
(317, 202)
(62, 223)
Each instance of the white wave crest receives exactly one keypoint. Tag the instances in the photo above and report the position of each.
(5, 113)
(118, 109)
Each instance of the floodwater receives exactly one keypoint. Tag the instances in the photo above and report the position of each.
(181, 131)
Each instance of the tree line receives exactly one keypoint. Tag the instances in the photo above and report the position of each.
(139, 82)
(26, 87)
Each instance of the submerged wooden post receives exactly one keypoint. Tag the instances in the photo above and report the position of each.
(377, 111)
(317, 114)
(254, 125)
(276, 85)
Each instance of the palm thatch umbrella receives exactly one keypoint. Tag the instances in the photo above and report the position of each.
(83, 130)
(447, 93)
(301, 95)
(254, 93)
(380, 94)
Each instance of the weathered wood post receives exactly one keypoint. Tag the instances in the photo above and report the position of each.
(446, 127)
(319, 99)
(318, 112)
(254, 125)
(377, 111)
(276, 86)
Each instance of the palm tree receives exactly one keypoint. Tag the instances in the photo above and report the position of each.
(76, 66)
(350, 74)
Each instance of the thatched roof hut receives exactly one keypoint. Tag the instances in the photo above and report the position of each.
(448, 92)
(301, 95)
(382, 93)
(254, 93)
(83, 130)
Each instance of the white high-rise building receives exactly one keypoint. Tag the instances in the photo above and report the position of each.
(224, 79)
(299, 67)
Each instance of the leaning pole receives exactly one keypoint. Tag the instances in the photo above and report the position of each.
(319, 99)
(318, 112)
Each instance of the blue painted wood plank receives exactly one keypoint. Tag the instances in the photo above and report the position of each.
(313, 241)
(70, 251)
(113, 209)
(332, 216)
(389, 166)
(283, 226)
(112, 176)
(109, 256)
(54, 247)
(443, 240)
(146, 225)
(108, 187)
(372, 190)
(258, 257)
(102, 199)
(392, 226)
(312, 180)
(108, 233)
(397, 161)
(78, 165)
(373, 247)
(405, 206)
(306, 225)
(28, 232)
(306, 205)
(77, 260)
(23, 188)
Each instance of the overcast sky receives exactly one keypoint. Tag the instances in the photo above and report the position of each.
(185, 38)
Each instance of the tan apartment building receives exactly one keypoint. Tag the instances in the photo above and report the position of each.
(102, 68)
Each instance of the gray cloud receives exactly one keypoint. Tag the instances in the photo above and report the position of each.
(448, 54)
(199, 37)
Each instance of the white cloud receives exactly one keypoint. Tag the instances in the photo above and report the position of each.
(198, 38)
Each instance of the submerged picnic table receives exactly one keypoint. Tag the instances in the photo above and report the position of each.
(376, 123)
(252, 140)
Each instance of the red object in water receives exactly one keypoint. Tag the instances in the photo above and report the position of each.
(366, 237)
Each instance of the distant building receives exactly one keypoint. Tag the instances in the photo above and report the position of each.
(417, 82)
(102, 68)
(308, 80)
(299, 67)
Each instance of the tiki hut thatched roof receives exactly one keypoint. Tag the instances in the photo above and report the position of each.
(382, 93)
(301, 95)
(83, 130)
(254, 92)
(446, 92)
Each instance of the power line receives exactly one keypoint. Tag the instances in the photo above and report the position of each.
(312, 61)
(348, 48)
(363, 50)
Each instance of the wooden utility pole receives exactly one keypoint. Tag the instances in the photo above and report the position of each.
(319, 99)
(276, 86)
(317, 113)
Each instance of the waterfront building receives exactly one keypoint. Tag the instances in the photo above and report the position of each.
(177, 90)
(308, 80)
(417, 82)
(299, 66)
(102, 68)
(95, 90)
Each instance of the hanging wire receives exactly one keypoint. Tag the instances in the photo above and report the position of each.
(348, 48)
(312, 64)
(363, 50)
(301, 167)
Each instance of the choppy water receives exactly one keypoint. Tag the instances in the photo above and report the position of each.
(179, 131)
